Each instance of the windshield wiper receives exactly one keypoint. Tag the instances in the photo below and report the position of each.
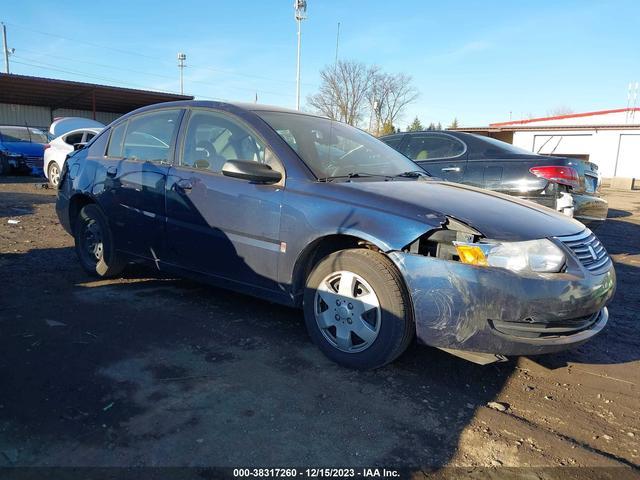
(351, 175)
(413, 174)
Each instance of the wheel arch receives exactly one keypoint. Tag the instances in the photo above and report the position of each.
(319, 249)
(76, 202)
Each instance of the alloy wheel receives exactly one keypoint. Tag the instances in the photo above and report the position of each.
(54, 174)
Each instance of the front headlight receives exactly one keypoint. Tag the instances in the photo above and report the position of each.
(532, 256)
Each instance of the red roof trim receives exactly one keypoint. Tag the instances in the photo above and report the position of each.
(560, 117)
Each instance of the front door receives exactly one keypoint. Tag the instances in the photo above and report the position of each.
(136, 167)
(217, 225)
(441, 155)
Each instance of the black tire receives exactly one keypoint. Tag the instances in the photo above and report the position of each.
(396, 328)
(4, 166)
(94, 244)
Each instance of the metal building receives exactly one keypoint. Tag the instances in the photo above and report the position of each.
(37, 101)
(608, 138)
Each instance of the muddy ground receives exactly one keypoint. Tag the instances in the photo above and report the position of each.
(147, 370)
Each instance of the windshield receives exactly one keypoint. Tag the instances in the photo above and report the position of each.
(504, 146)
(22, 134)
(334, 149)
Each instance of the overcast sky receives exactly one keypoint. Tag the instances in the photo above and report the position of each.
(477, 61)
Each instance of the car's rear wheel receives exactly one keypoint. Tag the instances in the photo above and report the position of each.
(357, 309)
(94, 243)
(54, 174)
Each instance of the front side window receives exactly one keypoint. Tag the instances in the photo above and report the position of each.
(433, 147)
(335, 149)
(212, 138)
(149, 136)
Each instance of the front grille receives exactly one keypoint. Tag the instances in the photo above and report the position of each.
(588, 250)
(529, 328)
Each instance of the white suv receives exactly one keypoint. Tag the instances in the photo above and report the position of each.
(55, 152)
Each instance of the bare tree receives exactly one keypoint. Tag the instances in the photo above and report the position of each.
(343, 91)
(559, 110)
(388, 96)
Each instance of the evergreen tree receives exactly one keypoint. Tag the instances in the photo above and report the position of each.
(454, 124)
(431, 126)
(415, 126)
(439, 126)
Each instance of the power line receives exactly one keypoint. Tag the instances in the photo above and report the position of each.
(129, 85)
(158, 59)
(113, 67)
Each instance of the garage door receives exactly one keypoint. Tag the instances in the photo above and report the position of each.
(628, 162)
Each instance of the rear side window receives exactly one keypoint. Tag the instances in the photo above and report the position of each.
(394, 141)
(149, 136)
(433, 147)
(115, 141)
(73, 138)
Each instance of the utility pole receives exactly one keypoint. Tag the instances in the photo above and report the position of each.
(300, 7)
(5, 48)
(181, 58)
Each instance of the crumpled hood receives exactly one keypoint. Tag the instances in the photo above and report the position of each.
(495, 215)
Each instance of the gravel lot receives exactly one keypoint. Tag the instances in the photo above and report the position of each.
(148, 370)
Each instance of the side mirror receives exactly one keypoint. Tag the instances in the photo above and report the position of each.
(252, 171)
(79, 146)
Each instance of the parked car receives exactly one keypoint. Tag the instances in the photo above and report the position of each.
(56, 151)
(308, 212)
(21, 149)
(568, 185)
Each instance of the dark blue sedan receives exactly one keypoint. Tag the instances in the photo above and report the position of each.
(309, 212)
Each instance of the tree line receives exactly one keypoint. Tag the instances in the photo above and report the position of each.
(366, 96)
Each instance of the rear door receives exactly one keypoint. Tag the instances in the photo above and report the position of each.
(440, 154)
(135, 172)
(217, 225)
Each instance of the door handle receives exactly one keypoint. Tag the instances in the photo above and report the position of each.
(184, 184)
(112, 171)
(451, 169)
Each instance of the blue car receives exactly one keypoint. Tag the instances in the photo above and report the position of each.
(21, 149)
(313, 213)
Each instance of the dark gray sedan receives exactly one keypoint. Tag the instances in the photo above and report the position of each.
(313, 213)
(567, 185)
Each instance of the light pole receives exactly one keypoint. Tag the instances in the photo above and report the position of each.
(300, 7)
(5, 49)
(181, 58)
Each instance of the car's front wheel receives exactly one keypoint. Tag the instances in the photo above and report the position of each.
(94, 243)
(357, 309)
(54, 174)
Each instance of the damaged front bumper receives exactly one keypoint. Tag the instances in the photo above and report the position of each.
(497, 311)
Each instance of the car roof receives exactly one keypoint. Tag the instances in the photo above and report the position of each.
(86, 129)
(454, 133)
(252, 107)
